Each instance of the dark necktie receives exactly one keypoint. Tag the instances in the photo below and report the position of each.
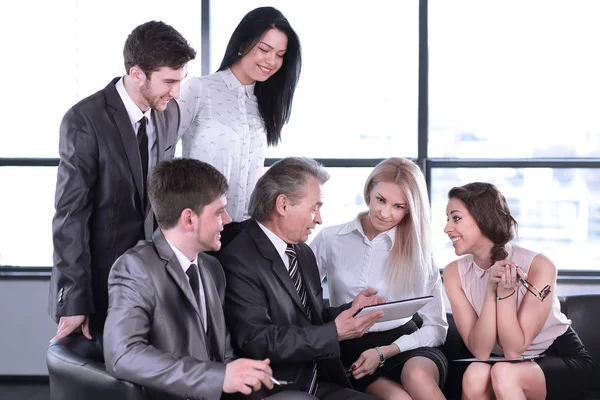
(296, 278)
(213, 345)
(142, 138)
(192, 273)
(294, 271)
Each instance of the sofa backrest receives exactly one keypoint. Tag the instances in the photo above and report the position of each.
(584, 312)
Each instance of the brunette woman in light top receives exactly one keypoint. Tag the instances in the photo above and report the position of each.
(230, 117)
(504, 302)
(389, 248)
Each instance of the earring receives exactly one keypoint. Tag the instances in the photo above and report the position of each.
(239, 53)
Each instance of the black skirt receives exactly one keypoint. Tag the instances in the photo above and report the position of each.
(567, 366)
(392, 369)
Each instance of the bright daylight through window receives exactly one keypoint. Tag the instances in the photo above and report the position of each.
(506, 80)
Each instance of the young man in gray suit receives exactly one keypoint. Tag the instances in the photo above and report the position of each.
(109, 143)
(165, 328)
(273, 285)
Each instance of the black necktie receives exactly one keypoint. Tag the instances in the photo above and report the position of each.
(213, 345)
(142, 138)
(192, 273)
(294, 271)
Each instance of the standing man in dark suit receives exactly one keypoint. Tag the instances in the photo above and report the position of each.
(165, 328)
(109, 143)
(274, 299)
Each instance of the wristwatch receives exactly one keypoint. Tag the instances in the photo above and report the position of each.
(381, 357)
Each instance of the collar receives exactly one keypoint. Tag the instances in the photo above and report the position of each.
(233, 83)
(134, 112)
(279, 244)
(183, 260)
(480, 271)
(356, 226)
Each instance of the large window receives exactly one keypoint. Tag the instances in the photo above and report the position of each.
(50, 63)
(514, 79)
(518, 79)
(505, 92)
(556, 211)
(357, 95)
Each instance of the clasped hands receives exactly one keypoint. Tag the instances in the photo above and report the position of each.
(350, 327)
(504, 277)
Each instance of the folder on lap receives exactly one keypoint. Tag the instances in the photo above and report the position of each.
(495, 359)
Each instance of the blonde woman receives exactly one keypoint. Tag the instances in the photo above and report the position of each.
(389, 248)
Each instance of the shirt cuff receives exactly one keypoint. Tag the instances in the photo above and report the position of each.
(406, 343)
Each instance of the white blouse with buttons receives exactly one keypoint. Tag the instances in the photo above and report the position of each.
(221, 125)
(353, 263)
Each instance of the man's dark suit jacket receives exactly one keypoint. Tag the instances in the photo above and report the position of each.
(99, 191)
(153, 334)
(265, 315)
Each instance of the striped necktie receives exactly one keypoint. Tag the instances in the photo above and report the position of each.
(294, 272)
(296, 278)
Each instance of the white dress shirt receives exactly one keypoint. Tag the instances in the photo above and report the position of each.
(185, 264)
(279, 244)
(221, 125)
(353, 263)
(135, 115)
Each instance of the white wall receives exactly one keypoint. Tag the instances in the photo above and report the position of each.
(25, 327)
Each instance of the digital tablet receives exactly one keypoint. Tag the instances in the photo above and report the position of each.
(396, 309)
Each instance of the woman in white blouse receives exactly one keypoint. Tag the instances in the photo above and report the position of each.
(389, 248)
(230, 117)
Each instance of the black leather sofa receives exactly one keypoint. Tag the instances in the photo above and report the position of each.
(76, 371)
(582, 310)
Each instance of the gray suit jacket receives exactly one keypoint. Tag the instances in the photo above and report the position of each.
(153, 334)
(99, 212)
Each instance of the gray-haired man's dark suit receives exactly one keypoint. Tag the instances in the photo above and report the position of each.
(99, 192)
(261, 293)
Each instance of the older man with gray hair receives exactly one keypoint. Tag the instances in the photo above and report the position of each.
(274, 299)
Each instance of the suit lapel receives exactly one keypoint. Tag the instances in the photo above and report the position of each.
(158, 120)
(214, 321)
(160, 129)
(269, 252)
(128, 136)
(175, 271)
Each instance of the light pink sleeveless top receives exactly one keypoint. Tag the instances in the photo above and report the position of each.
(474, 280)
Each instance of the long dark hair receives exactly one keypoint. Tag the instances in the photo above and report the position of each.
(275, 95)
(490, 210)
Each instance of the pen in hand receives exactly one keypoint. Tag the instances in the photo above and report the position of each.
(278, 382)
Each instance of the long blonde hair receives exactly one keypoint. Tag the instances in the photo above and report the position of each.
(409, 264)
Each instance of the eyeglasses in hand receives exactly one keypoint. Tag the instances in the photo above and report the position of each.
(540, 294)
